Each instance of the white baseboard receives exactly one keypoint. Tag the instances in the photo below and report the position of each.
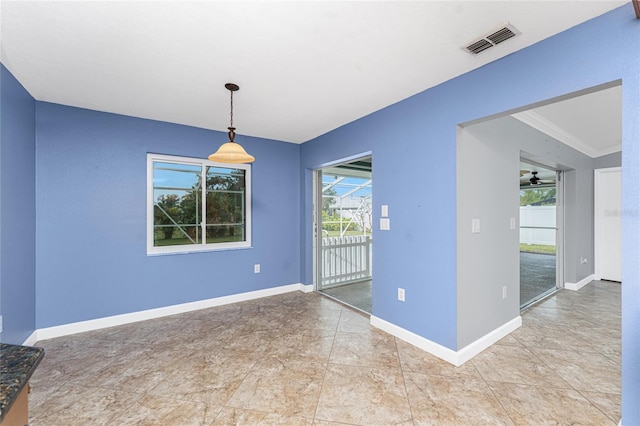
(577, 286)
(96, 324)
(456, 358)
(306, 288)
(31, 340)
(474, 348)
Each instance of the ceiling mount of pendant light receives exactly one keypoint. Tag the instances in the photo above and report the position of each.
(231, 152)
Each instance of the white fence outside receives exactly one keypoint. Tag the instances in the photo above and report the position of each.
(537, 225)
(345, 259)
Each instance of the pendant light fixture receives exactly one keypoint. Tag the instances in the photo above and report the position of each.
(231, 152)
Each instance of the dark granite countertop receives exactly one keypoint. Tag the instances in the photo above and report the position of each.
(17, 364)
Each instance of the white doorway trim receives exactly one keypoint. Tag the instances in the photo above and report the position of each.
(560, 229)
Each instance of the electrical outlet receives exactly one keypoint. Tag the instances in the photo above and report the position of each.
(475, 226)
(256, 268)
(401, 294)
(504, 291)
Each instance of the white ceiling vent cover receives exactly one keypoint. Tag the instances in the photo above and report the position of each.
(492, 39)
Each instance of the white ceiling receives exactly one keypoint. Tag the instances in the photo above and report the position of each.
(304, 68)
(591, 123)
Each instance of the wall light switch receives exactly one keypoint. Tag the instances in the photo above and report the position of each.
(384, 210)
(475, 226)
(0, 323)
(385, 224)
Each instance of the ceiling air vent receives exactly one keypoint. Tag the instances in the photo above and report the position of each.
(492, 39)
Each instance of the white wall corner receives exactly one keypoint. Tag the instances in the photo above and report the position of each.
(32, 339)
(577, 286)
(426, 345)
(99, 323)
(474, 348)
(306, 288)
(456, 358)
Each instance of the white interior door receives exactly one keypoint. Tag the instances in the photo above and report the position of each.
(608, 223)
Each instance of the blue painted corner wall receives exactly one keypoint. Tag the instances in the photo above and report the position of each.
(413, 146)
(17, 210)
(91, 218)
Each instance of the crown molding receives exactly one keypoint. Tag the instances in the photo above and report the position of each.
(545, 126)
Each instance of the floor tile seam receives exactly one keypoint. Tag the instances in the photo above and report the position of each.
(255, 363)
(326, 369)
(214, 417)
(493, 393)
(114, 388)
(569, 351)
(596, 324)
(559, 372)
(617, 360)
(588, 400)
(364, 367)
(585, 347)
(477, 378)
(533, 353)
(226, 403)
(33, 413)
(554, 370)
(113, 417)
(404, 380)
(186, 398)
(546, 386)
(521, 343)
(594, 405)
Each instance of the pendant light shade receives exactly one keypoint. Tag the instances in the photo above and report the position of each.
(231, 152)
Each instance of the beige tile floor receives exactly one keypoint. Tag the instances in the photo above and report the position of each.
(302, 359)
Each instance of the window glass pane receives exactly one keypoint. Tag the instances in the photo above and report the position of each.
(177, 204)
(225, 205)
(196, 205)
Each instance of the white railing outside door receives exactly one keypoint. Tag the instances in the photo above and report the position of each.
(345, 259)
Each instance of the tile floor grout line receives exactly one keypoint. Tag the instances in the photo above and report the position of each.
(595, 405)
(493, 392)
(326, 366)
(404, 380)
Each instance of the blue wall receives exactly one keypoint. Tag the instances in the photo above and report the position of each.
(17, 210)
(91, 218)
(414, 172)
(410, 169)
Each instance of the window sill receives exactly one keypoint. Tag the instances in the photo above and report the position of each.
(207, 250)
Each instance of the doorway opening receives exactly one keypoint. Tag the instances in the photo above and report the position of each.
(344, 227)
(540, 232)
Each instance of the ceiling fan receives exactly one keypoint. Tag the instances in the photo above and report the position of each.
(535, 180)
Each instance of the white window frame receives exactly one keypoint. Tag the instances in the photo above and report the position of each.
(203, 246)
